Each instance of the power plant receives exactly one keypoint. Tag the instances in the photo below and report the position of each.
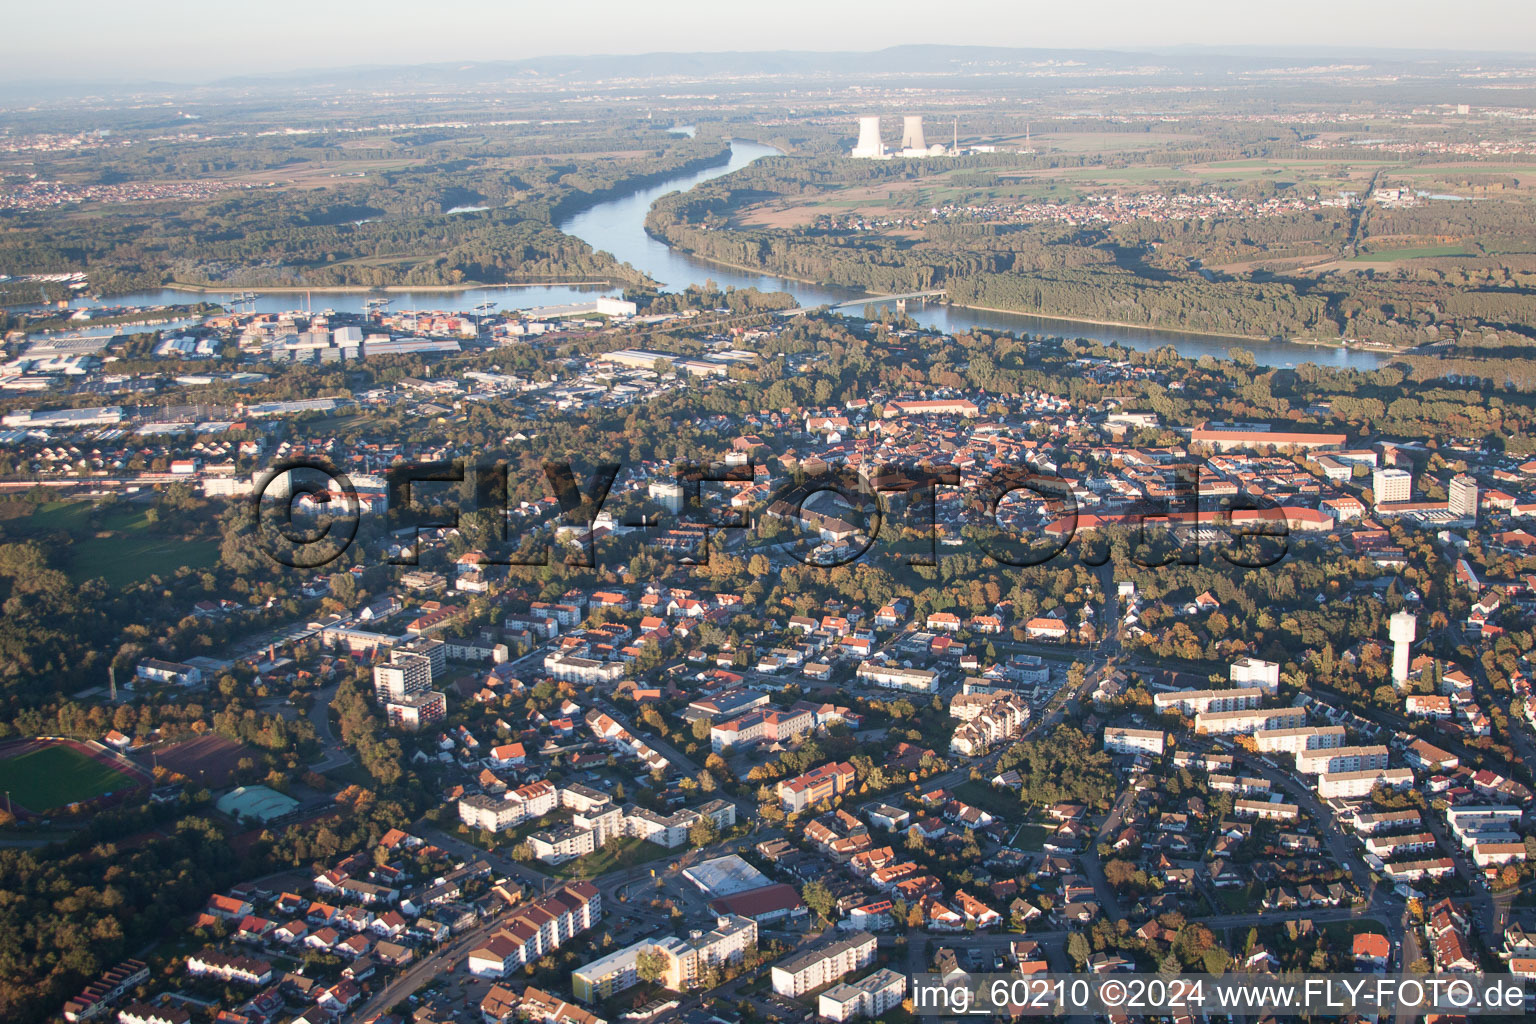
(913, 144)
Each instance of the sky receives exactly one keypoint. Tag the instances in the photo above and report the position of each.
(179, 40)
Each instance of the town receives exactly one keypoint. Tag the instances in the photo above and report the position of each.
(620, 539)
(734, 788)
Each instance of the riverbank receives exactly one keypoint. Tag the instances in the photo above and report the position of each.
(1182, 331)
(575, 204)
(363, 289)
(1054, 317)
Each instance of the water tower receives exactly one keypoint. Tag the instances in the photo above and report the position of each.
(1403, 627)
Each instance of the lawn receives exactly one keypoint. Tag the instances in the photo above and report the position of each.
(1235, 901)
(54, 776)
(120, 546)
(1004, 803)
(622, 853)
(1417, 252)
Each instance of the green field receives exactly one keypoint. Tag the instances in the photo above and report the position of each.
(621, 853)
(54, 776)
(1419, 252)
(120, 546)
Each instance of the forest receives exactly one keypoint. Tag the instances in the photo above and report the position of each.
(404, 211)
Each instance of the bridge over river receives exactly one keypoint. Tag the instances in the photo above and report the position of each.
(868, 300)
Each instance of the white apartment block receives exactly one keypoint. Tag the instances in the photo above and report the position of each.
(1004, 718)
(514, 807)
(687, 960)
(866, 997)
(1195, 702)
(1253, 672)
(894, 677)
(1391, 485)
(1462, 495)
(1294, 741)
(1469, 824)
(531, 930)
(1229, 723)
(569, 668)
(562, 843)
(1341, 759)
(1490, 854)
(1119, 740)
(823, 965)
(1357, 785)
(408, 675)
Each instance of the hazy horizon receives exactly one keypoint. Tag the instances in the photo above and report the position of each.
(173, 41)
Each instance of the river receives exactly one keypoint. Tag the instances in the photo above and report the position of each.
(618, 226)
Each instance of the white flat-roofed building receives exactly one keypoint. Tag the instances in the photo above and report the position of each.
(1120, 740)
(419, 709)
(895, 677)
(1228, 723)
(1469, 824)
(1490, 854)
(1357, 785)
(1194, 702)
(569, 668)
(1389, 485)
(686, 960)
(1253, 672)
(1293, 741)
(64, 418)
(1341, 759)
(799, 974)
(562, 843)
(866, 997)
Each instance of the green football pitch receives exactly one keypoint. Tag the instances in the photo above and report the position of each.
(41, 780)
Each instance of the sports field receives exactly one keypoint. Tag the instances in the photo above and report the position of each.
(41, 780)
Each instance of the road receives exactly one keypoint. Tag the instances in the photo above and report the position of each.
(439, 963)
(1338, 844)
(1109, 900)
(336, 755)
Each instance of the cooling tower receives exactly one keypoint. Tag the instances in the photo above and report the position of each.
(869, 138)
(912, 133)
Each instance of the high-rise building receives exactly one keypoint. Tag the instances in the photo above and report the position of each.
(870, 147)
(407, 675)
(1392, 485)
(1402, 628)
(669, 494)
(1463, 497)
